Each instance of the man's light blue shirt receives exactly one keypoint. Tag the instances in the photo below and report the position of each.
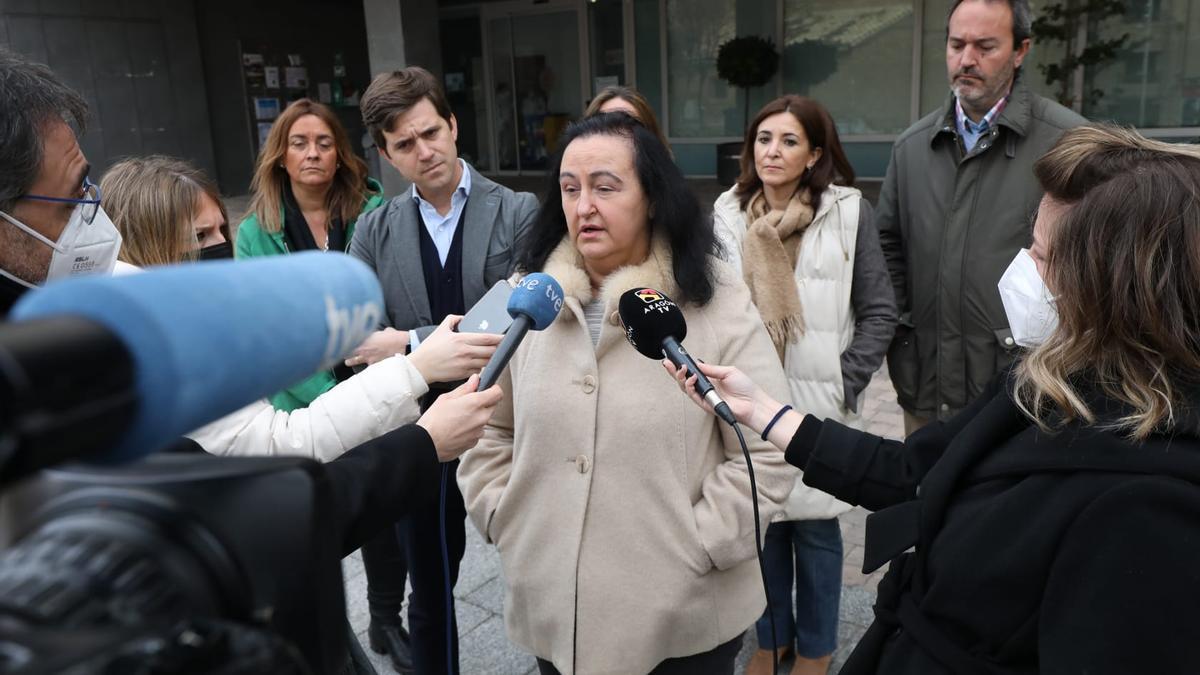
(969, 131)
(441, 228)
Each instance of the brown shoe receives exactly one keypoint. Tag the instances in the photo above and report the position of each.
(762, 664)
(804, 666)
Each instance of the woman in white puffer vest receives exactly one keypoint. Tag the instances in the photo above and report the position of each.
(805, 243)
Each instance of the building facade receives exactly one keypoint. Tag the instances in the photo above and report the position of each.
(202, 80)
(879, 65)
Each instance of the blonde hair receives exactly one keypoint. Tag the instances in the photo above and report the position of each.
(1124, 260)
(153, 202)
(348, 190)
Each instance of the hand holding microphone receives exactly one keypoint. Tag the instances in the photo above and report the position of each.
(456, 419)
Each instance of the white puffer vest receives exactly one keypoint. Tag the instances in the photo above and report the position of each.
(824, 275)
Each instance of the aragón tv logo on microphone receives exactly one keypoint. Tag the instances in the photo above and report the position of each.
(655, 301)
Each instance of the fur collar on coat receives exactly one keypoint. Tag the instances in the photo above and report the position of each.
(565, 264)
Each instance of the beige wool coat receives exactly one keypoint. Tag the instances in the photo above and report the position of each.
(621, 511)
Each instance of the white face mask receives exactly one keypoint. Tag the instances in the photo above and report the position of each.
(1032, 316)
(82, 248)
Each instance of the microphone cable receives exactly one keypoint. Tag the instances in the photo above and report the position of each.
(762, 570)
(451, 668)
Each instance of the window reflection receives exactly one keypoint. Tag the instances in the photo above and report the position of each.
(855, 56)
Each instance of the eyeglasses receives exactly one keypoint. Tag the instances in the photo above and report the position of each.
(90, 200)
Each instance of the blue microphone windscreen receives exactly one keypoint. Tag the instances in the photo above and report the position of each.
(209, 338)
(537, 296)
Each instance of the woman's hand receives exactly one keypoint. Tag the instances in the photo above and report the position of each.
(455, 421)
(748, 403)
(378, 346)
(449, 356)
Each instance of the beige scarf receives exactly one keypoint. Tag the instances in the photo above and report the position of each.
(769, 253)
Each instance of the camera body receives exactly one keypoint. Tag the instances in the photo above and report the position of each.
(181, 562)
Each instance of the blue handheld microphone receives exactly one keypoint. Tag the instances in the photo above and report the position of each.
(202, 340)
(534, 304)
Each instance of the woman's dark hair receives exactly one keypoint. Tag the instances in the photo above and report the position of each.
(831, 167)
(675, 213)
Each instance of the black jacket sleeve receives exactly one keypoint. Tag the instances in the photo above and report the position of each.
(376, 483)
(1121, 594)
(871, 471)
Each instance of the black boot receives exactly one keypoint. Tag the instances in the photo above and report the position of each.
(391, 639)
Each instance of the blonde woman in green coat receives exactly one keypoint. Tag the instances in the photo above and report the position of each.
(309, 189)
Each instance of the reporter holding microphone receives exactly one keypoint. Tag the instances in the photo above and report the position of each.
(622, 514)
(1054, 519)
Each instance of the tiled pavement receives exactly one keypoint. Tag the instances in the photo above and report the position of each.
(484, 649)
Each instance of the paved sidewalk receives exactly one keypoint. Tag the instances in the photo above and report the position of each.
(484, 649)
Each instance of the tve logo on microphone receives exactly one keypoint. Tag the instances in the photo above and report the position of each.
(553, 291)
(348, 327)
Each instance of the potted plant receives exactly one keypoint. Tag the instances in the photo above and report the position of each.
(743, 62)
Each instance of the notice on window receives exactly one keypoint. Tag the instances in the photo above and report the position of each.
(296, 77)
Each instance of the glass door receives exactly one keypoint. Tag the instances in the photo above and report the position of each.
(606, 35)
(536, 76)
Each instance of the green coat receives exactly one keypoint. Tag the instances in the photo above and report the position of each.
(949, 224)
(254, 241)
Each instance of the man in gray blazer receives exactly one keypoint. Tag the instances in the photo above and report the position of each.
(436, 249)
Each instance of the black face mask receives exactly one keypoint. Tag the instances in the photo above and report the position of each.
(221, 251)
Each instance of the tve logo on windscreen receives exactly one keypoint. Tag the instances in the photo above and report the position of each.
(348, 327)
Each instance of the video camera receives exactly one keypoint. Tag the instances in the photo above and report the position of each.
(176, 563)
(150, 558)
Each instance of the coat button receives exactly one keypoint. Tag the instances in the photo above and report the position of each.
(583, 463)
(945, 407)
(589, 384)
(1008, 342)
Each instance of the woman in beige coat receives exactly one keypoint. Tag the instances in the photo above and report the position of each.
(623, 514)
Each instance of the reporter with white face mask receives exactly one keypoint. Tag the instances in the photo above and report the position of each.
(1052, 521)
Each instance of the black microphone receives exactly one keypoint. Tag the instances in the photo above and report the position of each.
(655, 327)
(534, 304)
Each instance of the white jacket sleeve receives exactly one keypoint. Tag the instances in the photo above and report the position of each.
(370, 404)
(729, 226)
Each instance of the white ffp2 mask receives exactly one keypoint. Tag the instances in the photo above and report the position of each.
(1032, 316)
(82, 248)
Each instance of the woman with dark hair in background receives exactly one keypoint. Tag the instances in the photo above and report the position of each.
(1054, 519)
(629, 101)
(622, 514)
(804, 241)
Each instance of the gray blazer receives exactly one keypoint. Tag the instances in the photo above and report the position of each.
(495, 221)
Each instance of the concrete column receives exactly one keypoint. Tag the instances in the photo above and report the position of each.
(401, 33)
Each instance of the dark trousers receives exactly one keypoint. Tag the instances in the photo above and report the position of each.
(386, 569)
(420, 539)
(717, 661)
